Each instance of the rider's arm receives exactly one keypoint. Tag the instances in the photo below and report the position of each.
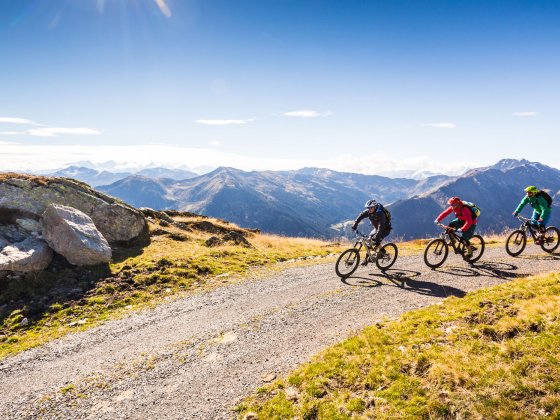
(522, 204)
(444, 214)
(361, 216)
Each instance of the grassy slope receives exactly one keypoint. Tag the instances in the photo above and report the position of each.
(492, 354)
(47, 305)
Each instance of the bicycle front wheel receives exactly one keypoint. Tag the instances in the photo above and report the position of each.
(477, 245)
(436, 253)
(347, 263)
(551, 239)
(516, 242)
(386, 256)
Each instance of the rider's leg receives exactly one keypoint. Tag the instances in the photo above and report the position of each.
(534, 218)
(466, 236)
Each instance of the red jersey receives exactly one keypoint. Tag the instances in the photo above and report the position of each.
(462, 213)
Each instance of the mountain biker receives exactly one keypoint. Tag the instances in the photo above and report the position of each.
(464, 222)
(378, 217)
(541, 210)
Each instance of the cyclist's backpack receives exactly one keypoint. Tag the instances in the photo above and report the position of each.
(387, 213)
(546, 196)
(475, 210)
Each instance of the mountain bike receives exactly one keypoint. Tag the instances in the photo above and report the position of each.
(383, 256)
(517, 240)
(437, 249)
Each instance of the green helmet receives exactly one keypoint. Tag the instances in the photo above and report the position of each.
(532, 189)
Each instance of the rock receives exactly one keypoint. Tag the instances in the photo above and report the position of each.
(238, 238)
(118, 222)
(74, 235)
(268, 377)
(30, 225)
(30, 254)
(213, 241)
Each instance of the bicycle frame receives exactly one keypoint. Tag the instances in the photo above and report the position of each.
(527, 226)
(364, 242)
(452, 238)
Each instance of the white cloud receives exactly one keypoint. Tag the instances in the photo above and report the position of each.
(7, 142)
(440, 125)
(215, 143)
(163, 7)
(223, 122)
(12, 120)
(25, 157)
(307, 113)
(12, 133)
(525, 114)
(53, 131)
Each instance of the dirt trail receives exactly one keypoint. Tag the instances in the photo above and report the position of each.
(196, 357)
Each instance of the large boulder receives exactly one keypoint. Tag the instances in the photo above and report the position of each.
(30, 254)
(73, 234)
(30, 195)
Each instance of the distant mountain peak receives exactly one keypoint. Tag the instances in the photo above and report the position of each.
(507, 164)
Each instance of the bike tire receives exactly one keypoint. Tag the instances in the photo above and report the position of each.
(477, 242)
(347, 263)
(551, 239)
(386, 256)
(516, 243)
(436, 253)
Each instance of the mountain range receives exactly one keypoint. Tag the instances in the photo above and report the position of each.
(306, 202)
(96, 177)
(317, 202)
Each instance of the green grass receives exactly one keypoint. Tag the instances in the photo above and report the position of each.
(42, 306)
(492, 354)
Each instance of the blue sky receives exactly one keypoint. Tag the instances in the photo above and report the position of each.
(363, 86)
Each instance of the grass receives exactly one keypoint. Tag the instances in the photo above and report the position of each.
(43, 306)
(492, 354)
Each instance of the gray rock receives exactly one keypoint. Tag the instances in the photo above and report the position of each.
(117, 221)
(73, 234)
(31, 254)
(30, 225)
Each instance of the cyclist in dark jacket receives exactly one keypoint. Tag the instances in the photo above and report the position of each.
(376, 214)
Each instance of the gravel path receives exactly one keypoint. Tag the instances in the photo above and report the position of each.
(196, 357)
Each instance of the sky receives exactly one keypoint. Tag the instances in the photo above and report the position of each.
(368, 86)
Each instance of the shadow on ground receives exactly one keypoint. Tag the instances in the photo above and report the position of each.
(499, 270)
(405, 279)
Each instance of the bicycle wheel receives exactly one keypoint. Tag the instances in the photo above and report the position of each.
(516, 242)
(436, 253)
(386, 256)
(347, 263)
(477, 244)
(551, 239)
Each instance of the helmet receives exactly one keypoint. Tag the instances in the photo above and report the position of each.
(370, 204)
(454, 201)
(532, 189)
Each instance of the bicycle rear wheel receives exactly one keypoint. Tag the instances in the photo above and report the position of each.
(386, 256)
(516, 242)
(551, 239)
(347, 263)
(436, 253)
(477, 244)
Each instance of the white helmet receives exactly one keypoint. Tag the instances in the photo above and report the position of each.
(370, 204)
